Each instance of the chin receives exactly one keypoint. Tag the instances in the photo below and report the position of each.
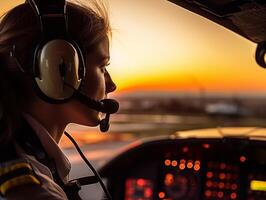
(94, 119)
(83, 115)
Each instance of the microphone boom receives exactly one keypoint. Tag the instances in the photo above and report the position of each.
(108, 106)
(105, 106)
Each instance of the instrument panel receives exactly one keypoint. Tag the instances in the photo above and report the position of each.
(190, 169)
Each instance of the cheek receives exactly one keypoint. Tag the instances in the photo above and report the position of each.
(81, 114)
(94, 84)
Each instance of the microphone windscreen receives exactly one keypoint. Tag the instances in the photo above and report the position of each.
(109, 106)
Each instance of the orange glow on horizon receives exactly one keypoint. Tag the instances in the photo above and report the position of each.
(213, 87)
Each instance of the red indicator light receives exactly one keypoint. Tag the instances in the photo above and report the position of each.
(209, 174)
(208, 193)
(169, 179)
(189, 164)
(222, 176)
(182, 161)
(182, 166)
(209, 184)
(161, 195)
(234, 186)
(197, 162)
(206, 146)
(242, 159)
(185, 149)
(130, 187)
(140, 182)
(196, 167)
(148, 192)
(174, 163)
(136, 187)
(233, 195)
(167, 162)
(220, 194)
(128, 183)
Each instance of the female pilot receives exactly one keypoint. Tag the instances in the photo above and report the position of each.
(31, 164)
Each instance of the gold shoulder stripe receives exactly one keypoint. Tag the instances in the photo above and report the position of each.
(17, 181)
(16, 174)
(7, 169)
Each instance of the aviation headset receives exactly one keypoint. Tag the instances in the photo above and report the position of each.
(58, 64)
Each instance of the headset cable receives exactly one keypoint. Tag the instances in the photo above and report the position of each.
(107, 194)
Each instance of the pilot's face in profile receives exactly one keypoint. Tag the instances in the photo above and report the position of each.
(97, 84)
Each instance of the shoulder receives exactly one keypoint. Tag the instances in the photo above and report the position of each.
(27, 175)
(28, 179)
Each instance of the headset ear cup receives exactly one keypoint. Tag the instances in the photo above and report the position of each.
(57, 66)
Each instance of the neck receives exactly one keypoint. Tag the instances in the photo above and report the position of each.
(48, 116)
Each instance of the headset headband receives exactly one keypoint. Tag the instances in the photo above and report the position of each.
(52, 15)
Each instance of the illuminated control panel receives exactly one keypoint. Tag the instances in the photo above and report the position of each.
(140, 188)
(221, 181)
(211, 169)
(180, 179)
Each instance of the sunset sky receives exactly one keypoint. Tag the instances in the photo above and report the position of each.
(157, 45)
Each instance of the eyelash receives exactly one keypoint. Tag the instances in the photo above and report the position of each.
(103, 67)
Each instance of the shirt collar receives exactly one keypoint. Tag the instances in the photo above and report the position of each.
(51, 147)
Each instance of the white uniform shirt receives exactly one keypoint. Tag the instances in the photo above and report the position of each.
(49, 189)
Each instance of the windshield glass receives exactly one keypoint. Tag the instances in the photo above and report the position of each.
(176, 70)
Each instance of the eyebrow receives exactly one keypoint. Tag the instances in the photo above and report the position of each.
(103, 58)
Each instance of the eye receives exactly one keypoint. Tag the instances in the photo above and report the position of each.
(103, 67)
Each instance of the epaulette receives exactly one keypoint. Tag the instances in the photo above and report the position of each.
(16, 173)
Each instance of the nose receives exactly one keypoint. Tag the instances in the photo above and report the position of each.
(109, 84)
